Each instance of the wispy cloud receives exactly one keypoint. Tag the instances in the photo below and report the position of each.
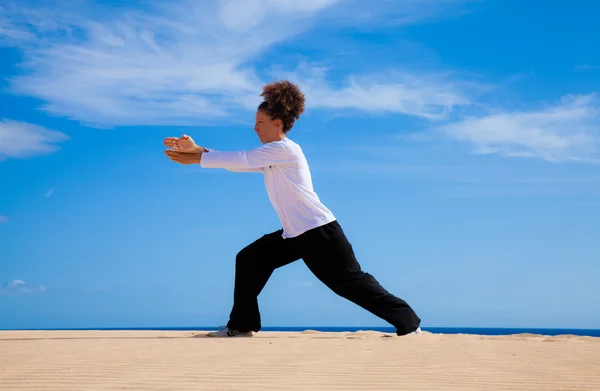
(10, 33)
(566, 131)
(3, 219)
(171, 63)
(185, 63)
(586, 67)
(23, 140)
(431, 96)
(19, 287)
(49, 193)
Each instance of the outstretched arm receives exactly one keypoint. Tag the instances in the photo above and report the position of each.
(185, 151)
(248, 160)
(196, 158)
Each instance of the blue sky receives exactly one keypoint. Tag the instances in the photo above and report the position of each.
(457, 142)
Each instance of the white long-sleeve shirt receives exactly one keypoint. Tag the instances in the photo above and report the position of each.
(287, 180)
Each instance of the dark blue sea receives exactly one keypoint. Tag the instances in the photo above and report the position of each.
(436, 330)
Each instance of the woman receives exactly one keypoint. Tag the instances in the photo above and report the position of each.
(309, 230)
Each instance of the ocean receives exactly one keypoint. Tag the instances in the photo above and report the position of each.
(436, 330)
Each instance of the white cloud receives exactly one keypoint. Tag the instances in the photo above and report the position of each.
(432, 96)
(3, 219)
(22, 139)
(185, 63)
(19, 287)
(171, 64)
(10, 33)
(567, 131)
(245, 15)
(49, 193)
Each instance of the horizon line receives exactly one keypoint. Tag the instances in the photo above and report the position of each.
(271, 328)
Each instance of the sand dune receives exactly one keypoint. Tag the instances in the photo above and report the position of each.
(151, 360)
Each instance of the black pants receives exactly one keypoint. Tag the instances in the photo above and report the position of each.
(330, 257)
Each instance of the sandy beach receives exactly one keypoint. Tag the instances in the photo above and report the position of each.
(158, 360)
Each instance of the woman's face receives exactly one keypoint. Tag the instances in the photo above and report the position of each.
(267, 129)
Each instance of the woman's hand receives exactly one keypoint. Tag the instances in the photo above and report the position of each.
(184, 157)
(182, 144)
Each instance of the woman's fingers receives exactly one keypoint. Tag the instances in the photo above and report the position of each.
(183, 157)
(173, 155)
(171, 142)
(179, 157)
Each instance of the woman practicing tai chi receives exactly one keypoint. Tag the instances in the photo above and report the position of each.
(309, 230)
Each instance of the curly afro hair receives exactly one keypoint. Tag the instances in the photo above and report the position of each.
(283, 100)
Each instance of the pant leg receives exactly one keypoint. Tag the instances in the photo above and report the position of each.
(253, 266)
(329, 255)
